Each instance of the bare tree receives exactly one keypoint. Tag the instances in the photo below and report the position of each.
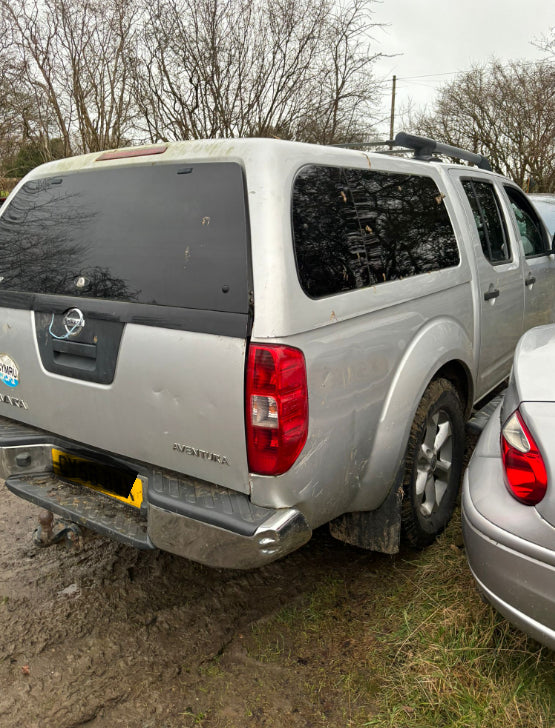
(97, 74)
(16, 106)
(546, 43)
(25, 115)
(506, 112)
(347, 88)
(74, 58)
(229, 68)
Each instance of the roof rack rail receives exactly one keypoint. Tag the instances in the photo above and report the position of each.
(371, 145)
(425, 148)
(358, 145)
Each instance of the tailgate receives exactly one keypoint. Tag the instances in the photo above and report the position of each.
(125, 307)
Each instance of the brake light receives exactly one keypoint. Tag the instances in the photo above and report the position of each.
(276, 407)
(525, 474)
(130, 152)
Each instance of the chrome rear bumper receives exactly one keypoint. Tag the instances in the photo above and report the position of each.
(281, 533)
(197, 520)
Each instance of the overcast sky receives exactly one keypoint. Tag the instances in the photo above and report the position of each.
(446, 36)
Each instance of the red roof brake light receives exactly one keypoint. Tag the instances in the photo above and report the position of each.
(524, 469)
(131, 152)
(276, 410)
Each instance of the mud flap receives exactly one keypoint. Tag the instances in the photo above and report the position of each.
(378, 530)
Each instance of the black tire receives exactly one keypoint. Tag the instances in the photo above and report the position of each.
(433, 464)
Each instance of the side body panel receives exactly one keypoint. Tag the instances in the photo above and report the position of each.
(365, 379)
(370, 354)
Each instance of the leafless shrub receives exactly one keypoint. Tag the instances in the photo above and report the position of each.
(505, 111)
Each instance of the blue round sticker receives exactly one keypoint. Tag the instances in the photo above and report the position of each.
(9, 371)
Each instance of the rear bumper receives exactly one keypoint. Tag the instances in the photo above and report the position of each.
(199, 521)
(281, 533)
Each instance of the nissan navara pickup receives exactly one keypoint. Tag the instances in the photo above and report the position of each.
(215, 347)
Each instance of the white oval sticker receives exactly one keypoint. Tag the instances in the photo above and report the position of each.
(9, 371)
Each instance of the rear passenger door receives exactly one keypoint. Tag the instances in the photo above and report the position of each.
(539, 270)
(500, 286)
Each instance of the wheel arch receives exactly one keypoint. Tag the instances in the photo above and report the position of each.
(440, 349)
(456, 372)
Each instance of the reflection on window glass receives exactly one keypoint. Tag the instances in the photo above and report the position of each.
(158, 234)
(406, 227)
(358, 228)
(489, 220)
(529, 226)
(328, 241)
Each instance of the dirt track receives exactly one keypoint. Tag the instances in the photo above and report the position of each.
(109, 636)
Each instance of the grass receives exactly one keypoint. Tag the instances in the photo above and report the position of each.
(415, 648)
(456, 662)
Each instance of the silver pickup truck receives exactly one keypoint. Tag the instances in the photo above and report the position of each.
(214, 347)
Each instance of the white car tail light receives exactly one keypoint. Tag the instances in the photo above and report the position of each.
(525, 473)
(276, 407)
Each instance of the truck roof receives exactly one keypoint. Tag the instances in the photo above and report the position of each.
(238, 150)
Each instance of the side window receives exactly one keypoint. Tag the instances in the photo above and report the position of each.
(406, 228)
(489, 220)
(530, 228)
(328, 241)
(357, 228)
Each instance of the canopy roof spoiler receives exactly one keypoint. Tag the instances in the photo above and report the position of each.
(425, 148)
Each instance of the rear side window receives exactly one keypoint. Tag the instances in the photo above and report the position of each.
(488, 219)
(357, 228)
(172, 235)
(329, 245)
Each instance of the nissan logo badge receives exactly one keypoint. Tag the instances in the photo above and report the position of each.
(74, 321)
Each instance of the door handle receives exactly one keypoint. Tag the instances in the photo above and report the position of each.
(488, 295)
(530, 280)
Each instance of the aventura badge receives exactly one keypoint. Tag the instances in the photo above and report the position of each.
(9, 371)
(203, 454)
(6, 399)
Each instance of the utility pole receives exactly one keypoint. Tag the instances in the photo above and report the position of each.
(392, 117)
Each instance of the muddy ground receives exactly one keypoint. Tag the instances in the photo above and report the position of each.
(110, 636)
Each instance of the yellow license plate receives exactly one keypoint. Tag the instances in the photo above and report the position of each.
(107, 479)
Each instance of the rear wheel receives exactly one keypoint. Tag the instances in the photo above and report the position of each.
(433, 464)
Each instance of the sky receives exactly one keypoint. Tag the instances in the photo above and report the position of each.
(438, 38)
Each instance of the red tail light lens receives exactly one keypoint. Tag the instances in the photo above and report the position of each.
(525, 474)
(276, 408)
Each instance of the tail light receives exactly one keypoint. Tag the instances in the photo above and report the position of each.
(276, 408)
(525, 474)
